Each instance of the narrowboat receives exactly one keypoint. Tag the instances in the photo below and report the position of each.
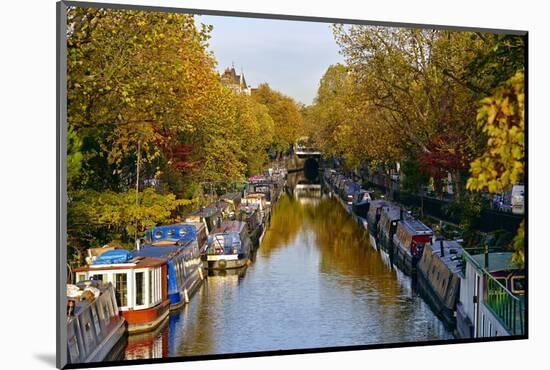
(348, 193)
(408, 243)
(210, 216)
(140, 286)
(360, 203)
(264, 208)
(95, 330)
(228, 247)
(492, 297)
(173, 234)
(387, 226)
(262, 185)
(232, 198)
(373, 217)
(251, 215)
(439, 271)
(184, 268)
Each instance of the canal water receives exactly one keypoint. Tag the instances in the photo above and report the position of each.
(315, 282)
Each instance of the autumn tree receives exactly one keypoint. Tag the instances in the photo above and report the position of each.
(288, 124)
(502, 164)
(416, 81)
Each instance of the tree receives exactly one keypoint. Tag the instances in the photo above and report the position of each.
(415, 82)
(502, 117)
(285, 113)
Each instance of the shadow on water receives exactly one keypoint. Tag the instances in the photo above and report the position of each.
(316, 282)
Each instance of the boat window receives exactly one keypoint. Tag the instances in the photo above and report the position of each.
(502, 281)
(158, 234)
(121, 287)
(158, 284)
(518, 284)
(140, 299)
(98, 277)
(182, 232)
(80, 277)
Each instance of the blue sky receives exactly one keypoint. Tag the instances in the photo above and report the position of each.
(290, 56)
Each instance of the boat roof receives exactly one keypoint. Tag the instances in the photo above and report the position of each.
(415, 226)
(231, 196)
(207, 211)
(167, 251)
(498, 261)
(391, 212)
(229, 227)
(174, 233)
(133, 263)
(452, 252)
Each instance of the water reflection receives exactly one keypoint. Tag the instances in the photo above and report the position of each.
(315, 283)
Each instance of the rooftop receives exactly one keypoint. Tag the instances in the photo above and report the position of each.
(498, 261)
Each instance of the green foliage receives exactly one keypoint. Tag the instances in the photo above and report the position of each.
(496, 63)
(288, 123)
(413, 179)
(96, 218)
(74, 156)
(467, 209)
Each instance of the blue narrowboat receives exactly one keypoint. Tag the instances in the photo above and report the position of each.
(179, 246)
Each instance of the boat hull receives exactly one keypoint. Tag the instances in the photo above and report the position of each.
(141, 321)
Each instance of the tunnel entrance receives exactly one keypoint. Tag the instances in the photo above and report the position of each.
(311, 169)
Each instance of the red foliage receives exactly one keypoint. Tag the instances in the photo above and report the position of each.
(444, 155)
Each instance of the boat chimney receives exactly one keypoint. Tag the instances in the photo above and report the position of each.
(401, 214)
(486, 256)
(138, 244)
(441, 247)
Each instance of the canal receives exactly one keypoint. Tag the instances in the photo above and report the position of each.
(315, 282)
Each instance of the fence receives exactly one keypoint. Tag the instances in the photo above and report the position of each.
(509, 309)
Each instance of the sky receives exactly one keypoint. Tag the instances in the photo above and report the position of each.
(290, 56)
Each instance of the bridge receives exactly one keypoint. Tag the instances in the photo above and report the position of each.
(305, 158)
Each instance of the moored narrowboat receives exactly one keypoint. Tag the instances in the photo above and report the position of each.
(361, 202)
(140, 286)
(373, 217)
(210, 216)
(229, 247)
(254, 223)
(439, 271)
(95, 330)
(264, 208)
(184, 269)
(408, 243)
(387, 226)
(492, 297)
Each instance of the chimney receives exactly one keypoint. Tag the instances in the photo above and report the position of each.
(486, 256)
(441, 247)
(401, 213)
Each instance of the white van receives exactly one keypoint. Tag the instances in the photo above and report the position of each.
(518, 199)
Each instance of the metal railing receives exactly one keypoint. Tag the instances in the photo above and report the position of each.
(507, 307)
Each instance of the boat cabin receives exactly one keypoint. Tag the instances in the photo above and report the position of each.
(231, 238)
(491, 300)
(182, 266)
(411, 236)
(210, 216)
(139, 282)
(374, 214)
(387, 226)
